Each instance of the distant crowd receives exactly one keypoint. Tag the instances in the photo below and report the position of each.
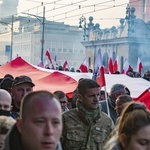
(91, 119)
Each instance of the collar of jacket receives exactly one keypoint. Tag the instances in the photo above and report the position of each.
(88, 117)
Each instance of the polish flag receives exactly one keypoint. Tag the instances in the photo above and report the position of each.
(139, 66)
(115, 65)
(65, 65)
(110, 63)
(144, 98)
(40, 64)
(48, 56)
(99, 70)
(55, 60)
(125, 67)
(83, 66)
(46, 64)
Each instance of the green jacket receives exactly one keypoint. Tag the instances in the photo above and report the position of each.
(84, 130)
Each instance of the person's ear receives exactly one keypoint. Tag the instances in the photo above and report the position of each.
(123, 140)
(80, 98)
(19, 125)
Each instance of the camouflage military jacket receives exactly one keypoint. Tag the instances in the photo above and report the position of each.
(81, 134)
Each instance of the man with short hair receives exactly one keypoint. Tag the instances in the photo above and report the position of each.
(20, 87)
(116, 90)
(62, 99)
(39, 126)
(86, 127)
(121, 102)
(5, 103)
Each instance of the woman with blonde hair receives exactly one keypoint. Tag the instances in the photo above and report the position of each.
(133, 129)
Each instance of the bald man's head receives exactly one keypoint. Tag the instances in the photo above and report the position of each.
(40, 124)
(5, 100)
(30, 101)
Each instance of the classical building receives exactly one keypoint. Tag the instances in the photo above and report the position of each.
(142, 8)
(61, 40)
(128, 41)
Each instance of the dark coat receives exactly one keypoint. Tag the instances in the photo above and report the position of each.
(112, 110)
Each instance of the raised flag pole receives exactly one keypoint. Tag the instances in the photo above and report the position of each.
(108, 111)
(99, 69)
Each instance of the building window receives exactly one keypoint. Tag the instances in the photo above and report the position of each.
(59, 50)
(89, 62)
(81, 51)
(70, 51)
(64, 50)
(53, 49)
(122, 61)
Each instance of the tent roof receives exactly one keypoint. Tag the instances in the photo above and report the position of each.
(51, 80)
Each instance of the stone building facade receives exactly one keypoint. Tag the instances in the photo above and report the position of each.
(62, 40)
(129, 41)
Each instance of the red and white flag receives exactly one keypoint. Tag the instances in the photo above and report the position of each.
(99, 69)
(115, 65)
(83, 66)
(110, 62)
(55, 60)
(139, 66)
(40, 64)
(46, 64)
(48, 56)
(125, 67)
(65, 65)
(144, 98)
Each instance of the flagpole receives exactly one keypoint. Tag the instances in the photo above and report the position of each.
(107, 101)
(67, 64)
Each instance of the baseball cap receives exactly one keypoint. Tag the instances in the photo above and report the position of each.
(22, 79)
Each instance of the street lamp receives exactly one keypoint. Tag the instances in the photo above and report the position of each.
(11, 28)
(82, 19)
(130, 17)
(43, 27)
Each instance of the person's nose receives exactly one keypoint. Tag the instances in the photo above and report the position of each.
(97, 97)
(48, 128)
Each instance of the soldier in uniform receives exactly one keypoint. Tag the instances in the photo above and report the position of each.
(86, 127)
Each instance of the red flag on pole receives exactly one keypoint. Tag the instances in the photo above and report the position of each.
(55, 60)
(99, 69)
(65, 65)
(48, 56)
(83, 66)
(125, 67)
(110, 63)
(101, 78)
(116, 65)
(40, 64)
(139, 66)
(144, 98)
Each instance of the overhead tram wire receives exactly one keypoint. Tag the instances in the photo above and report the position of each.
(70, 11)
(88, 12)
(76, 9)
(93, 11)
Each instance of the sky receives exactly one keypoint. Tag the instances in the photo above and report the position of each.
(105, 12)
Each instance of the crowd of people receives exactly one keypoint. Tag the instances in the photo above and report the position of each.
(90, 120)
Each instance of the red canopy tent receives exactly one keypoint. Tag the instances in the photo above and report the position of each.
(43, 80)
(52, 80)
